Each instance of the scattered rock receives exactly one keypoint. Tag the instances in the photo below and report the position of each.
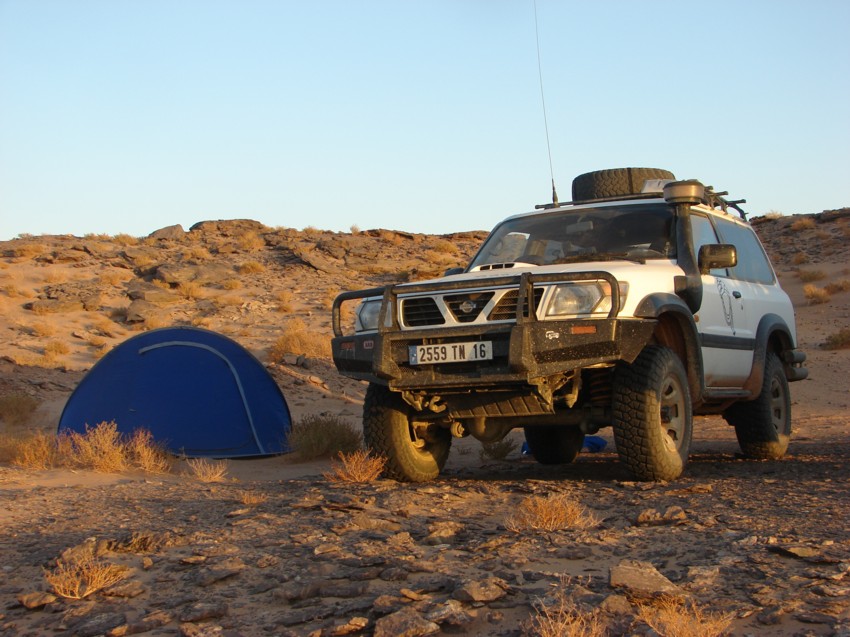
(405, 623)
(641, 579)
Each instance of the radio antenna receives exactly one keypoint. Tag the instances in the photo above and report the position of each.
(543, 102)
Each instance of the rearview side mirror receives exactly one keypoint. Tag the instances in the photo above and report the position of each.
(717, 255)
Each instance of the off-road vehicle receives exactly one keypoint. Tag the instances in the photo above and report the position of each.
(641, 303)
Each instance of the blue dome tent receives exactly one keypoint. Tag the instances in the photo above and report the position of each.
(199, 393)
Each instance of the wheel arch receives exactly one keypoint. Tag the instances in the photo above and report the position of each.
(772, 335)
(677, 330)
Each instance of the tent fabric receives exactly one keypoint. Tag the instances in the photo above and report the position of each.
(199, 393)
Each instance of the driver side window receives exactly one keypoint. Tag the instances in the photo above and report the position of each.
(704, 234)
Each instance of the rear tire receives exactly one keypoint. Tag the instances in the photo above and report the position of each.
(554, 445)
(763, 425)
(615, 182)
(389, 432)
(653, 419)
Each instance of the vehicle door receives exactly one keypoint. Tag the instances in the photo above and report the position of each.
(726, 338)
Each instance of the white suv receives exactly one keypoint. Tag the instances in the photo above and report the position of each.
(636, 306)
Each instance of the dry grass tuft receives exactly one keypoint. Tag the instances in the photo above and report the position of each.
(839, 286)
(55, 348)
(296, 338)
(808, 276)
(100, 448)
(839, 340)
(125, 239)
(674, 617)
(805, 223)
(251, 267)
(191, 290)
(357, 466)
(498, 450)
(83, 576)
(252, 498)
(800, 258)
(815, 295)
(146, 454)
(284, 301)
(317, 436)
(41, 329)
(38, 451)
(553, 513)
(561, 616)
(16, 409)
(250, 242)
(208, 470)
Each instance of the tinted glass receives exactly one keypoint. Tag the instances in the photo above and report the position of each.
(753, 264)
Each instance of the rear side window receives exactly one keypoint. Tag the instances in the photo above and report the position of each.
(753, 264)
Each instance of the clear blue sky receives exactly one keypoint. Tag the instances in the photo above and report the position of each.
(122, 116)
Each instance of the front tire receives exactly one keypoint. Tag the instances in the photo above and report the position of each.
(389, 431)
(763, 425)
(653, 418)
(554, 445)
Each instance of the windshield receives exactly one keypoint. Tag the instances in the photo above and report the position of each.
(589, 234)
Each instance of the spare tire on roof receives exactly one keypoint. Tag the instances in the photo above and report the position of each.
(615, 182)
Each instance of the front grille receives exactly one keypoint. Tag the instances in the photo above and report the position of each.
(466, 307)
(505, 309)
(421, 312)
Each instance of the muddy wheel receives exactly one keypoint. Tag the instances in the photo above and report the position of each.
(763, 425)
(614, 182)
(554, 445)
(414, 453)
(653, 420)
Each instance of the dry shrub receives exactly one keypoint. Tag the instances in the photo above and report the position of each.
(839, 340)
(561, 616)
(100, 448)
(38, 451)
(41, 329)
(55, 348)
(197, 253)
(96, 341)
(317, 436)
(190, 290)
(231, 284)
(804, 223)
(251, 267)
(114, 276)
(674, 617)
(252, 498)
(444, 246)
(807, 276)
(553, 513)
(145, 453)
(839, 286)
(15, 409)
(229, 300)
(208, 470)
(28, 250)
(55, 276)
(284, 301)
(357, 466)
(815, 295)
(498, 450)
(82, 576)
(298, 339)
(800, 258)
(250, 242)
(125, 239)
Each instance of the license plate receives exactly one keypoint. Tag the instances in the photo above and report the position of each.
(451, 353)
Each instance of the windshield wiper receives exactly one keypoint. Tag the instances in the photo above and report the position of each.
(600, 256)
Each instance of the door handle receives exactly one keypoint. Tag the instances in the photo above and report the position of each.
(736, 294)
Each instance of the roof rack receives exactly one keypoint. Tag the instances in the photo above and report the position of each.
(711, 198)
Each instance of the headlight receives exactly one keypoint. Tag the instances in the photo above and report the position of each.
(591, 297)
(367, 316)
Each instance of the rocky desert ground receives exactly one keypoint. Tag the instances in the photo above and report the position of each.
(279, 549)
